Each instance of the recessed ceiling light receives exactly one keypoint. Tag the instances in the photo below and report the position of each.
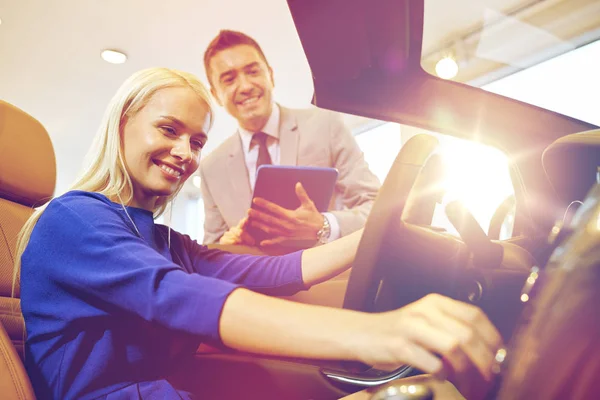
(446, 68)
(114, 57)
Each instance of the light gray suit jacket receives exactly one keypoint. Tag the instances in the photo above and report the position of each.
(310, 137)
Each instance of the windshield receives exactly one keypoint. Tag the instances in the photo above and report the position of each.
(545, 53)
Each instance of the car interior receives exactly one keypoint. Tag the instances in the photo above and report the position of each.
(401, 257)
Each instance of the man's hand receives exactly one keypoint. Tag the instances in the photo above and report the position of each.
(303, 223)
(238, 234)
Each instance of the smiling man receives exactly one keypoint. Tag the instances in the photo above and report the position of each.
(241, 81)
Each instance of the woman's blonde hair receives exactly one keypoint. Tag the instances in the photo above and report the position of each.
(104, 171)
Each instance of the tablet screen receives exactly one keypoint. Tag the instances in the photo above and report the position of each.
(277, 183)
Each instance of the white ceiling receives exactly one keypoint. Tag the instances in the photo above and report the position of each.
(51, 66)
(446, 20)
(50, 63)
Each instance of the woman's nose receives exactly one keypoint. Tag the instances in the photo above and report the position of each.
(182, 150)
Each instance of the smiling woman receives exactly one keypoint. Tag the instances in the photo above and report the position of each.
(148, 144)
(162, 143)
(107, 171)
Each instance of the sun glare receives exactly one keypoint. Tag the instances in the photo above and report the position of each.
(475, 174)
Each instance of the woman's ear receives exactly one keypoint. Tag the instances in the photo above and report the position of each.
(122, 124)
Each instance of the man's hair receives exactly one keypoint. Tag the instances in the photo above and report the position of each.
(224, 40)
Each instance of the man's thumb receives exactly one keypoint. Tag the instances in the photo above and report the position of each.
(303, 196)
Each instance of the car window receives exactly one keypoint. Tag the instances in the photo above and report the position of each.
(543, 53)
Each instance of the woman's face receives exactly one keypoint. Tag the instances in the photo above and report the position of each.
(162, 143)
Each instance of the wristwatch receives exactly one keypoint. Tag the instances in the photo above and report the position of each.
(324, 232)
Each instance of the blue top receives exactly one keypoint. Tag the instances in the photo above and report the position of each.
(109, 313)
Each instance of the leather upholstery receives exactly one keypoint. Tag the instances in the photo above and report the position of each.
(25, 142)
(27, 178)
(14, 383)
(12, 218)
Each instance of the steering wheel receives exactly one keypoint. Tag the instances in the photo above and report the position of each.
(388, 209)
(399, 260)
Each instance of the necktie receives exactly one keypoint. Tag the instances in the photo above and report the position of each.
(260, 138)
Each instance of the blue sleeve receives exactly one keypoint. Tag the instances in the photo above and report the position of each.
(98, 263)
(277, 276)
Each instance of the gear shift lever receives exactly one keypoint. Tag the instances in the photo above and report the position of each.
(485, 253)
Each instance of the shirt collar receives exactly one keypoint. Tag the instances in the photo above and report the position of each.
(271, 128)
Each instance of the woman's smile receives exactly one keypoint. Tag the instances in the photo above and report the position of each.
(170, 171)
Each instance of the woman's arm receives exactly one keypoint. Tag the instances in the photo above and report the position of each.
(279, 275)
(266, 325)
(324, 262)
(276, 275)
(417, 334)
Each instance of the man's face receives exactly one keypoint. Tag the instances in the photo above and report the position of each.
(242, 82)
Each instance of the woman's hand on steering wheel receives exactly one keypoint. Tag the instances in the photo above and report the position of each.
(440, 336)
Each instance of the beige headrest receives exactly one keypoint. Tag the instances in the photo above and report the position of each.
(572, 164)
(27, 162)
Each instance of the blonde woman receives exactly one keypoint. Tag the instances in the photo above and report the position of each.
(112, 300)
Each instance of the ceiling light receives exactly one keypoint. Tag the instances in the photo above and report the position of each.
(114, 57)
(446, 68)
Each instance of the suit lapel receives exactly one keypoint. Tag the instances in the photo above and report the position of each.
(238, 176)
(288, 137)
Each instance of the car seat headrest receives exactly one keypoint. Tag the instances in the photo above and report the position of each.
(572, 163)
(27, 161)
